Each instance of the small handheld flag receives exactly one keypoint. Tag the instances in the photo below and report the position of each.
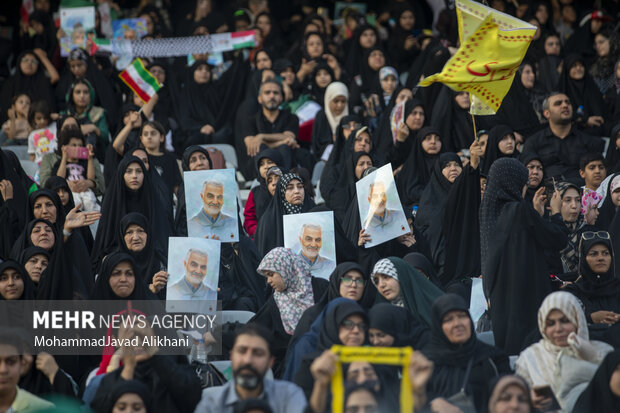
(140, 80)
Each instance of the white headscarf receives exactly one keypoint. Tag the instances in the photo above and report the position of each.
(540, 363)
(334, 90)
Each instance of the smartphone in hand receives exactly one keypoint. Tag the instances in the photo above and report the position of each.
(79, 152)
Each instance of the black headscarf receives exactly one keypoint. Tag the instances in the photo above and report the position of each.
(442, 351)
(584, 92)
(118, 201)
(128, 386)
(261, 192)
(317, 92)
(429, 217)
(341, 151)
(29, 292)
(370, 77)
(54, 183)
(526, 158)
(13, 172)
(200, 100)
(598, 396)
(60, 211)
(454, 123)
(149, 260)
(102, 289)
(591, 283)
(270, 229)
(451, 360)
(401, 324)
(333, 292)
(400, 57)
(345, 189)
(416, 171)
(180, 218)
(105, 95)
(355, 53)
(423, 265)
(65, 258)
(36, 86)
(32, 251)
(492, 152)
(612, 158)
(331, 323)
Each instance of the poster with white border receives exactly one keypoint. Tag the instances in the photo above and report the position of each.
(381, 212)
(211, 202)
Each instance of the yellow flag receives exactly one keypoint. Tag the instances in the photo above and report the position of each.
(493, 45)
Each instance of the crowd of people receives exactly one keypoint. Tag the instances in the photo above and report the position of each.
(526, 199)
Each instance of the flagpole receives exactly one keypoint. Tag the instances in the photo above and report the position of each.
(473, 118)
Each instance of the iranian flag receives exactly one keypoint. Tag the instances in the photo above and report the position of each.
(140, 80)
(241, 40)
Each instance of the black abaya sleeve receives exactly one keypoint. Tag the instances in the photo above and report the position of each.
(460, 226)
(9, 222)
(321, 134)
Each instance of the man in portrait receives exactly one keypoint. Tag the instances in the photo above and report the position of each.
(210, 220)
(311, 241)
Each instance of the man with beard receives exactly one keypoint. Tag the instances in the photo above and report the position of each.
(251, 358)
(191, 286)
(210, 220)
(379, 216)
(311, 240)
(273, 128)
(561, 145)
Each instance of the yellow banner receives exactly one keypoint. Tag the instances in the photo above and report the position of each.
(493, 45)
(393, 356)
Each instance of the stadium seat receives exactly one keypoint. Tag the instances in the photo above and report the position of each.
(20, 150)
(29, 167)
(231, 316)
(486, 337)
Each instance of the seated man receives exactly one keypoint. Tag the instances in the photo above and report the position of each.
(12, 398)
(274, 128)
(251, 358)
(561, 145)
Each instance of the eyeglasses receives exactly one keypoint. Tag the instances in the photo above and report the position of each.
(350, 282)
(588, 235)
(350, 325)
(349, 126)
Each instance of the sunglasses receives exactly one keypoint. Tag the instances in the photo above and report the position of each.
(588, 235)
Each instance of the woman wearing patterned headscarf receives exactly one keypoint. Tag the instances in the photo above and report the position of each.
(290, 198)
(516, 279)
(294, 291)
(565, 358)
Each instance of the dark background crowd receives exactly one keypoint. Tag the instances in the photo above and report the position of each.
(91, 190)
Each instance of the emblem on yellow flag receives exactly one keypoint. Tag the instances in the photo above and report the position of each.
(493, 45)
